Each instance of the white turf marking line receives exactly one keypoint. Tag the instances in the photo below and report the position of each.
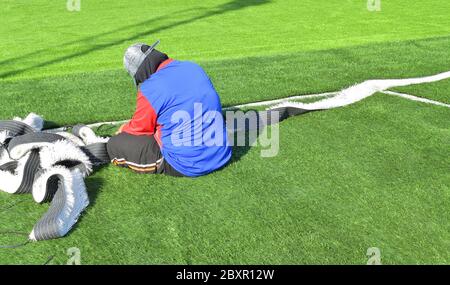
(107, 123)
(278, 101)
(342, 98)
(363, 90)
(415, 98)
(253, 104)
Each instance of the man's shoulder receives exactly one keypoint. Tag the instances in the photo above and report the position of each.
(176, 70)
(185, 64)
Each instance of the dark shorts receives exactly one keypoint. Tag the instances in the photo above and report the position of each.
(139, 153)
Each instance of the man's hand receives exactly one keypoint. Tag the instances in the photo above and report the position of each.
(120, 129)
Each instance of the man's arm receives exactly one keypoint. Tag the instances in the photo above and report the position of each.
(120, 129)
(144, 119)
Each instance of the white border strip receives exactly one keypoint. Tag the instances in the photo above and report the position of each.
(361, 91)
(236, 107)
(415, 98)
(278, 101)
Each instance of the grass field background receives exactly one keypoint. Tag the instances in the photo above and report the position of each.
(374, 174)
(43, 38)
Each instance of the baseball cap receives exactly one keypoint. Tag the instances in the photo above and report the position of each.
(134, 57)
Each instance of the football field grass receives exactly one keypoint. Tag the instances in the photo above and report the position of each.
(373, 174)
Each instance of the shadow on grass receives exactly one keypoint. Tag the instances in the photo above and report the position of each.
(50, 125)
(246, 133)
(93, 185)
(219, 10)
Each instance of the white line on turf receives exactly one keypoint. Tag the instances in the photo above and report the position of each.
(361, 91)
(277, 101)
(253, 104)
(342, 98)
(415, 98)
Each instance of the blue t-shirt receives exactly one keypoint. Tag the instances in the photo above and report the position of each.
(192, 131)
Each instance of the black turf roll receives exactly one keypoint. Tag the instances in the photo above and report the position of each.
(286, 112)
(53, 184)
(76, 130)
(97, 153)
(34, 138)
(16, 128)
(46, 227)
(29, 171)
(9, 166)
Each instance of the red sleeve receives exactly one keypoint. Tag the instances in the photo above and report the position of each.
(144, 118)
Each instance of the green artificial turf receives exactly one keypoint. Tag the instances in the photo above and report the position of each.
(438, 91)
(42, 38)
(344, 180)
(110, 95)
(373, 174)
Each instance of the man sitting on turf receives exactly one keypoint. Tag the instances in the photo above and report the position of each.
(177, 128)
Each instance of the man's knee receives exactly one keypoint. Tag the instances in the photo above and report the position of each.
(115, 146)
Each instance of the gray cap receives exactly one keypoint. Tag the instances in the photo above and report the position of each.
(134, 57)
